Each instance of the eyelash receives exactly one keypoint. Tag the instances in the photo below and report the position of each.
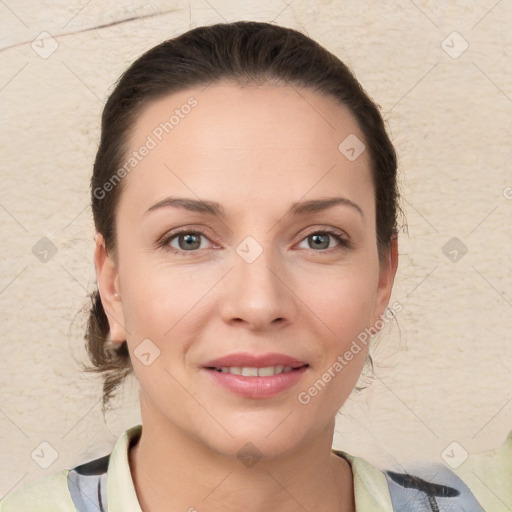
(163, 243)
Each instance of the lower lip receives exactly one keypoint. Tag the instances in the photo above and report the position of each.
(257, 387)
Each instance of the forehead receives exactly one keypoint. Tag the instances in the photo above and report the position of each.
(209, 141)
(216, 113)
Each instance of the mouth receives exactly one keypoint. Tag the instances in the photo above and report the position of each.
(246, 360)
(252, 371)
(256, 376)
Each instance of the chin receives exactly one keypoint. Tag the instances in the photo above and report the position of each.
(250, 449)
(273, 435)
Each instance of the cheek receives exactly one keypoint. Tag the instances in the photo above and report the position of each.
(153, 303)
(342, 300)
(160, 300)
(345, 309)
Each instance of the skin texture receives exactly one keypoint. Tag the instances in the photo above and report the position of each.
(255, 150)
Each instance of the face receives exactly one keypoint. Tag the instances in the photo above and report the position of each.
(236, 311)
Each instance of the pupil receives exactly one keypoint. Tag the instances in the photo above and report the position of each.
(316, 237)
(189, 241)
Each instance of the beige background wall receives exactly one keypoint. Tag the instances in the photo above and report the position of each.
(443, 375)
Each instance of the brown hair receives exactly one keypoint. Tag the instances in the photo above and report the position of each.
(246, 52)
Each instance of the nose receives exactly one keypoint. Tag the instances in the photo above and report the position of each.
(259, 293)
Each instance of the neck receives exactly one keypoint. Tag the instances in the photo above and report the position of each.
(171, 471)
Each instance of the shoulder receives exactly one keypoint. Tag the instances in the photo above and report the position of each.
(84, 487)
(65, 491)
(371, 491)
(49, 494)
(427, 487)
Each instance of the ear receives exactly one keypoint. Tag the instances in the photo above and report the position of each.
(108, 286)
(388, 267)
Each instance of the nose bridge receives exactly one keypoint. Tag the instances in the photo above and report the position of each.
(258, 294)
(265, 265)
(256, 265)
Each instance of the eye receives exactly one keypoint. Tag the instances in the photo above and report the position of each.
(185, 239)
(321, 239)
(189, 241)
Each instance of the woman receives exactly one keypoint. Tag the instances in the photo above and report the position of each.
(245, 202)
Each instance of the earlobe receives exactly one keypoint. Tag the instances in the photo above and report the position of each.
(108, 286)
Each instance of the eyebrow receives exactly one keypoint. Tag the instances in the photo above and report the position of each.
(216, 209)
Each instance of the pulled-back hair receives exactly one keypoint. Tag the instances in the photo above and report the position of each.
(248, 53)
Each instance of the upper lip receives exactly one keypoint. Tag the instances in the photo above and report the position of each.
(246, 360)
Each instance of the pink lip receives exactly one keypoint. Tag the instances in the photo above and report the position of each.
(256, 387)
(254, 361)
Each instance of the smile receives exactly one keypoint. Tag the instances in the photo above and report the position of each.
(255, 376)
(248, 371)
